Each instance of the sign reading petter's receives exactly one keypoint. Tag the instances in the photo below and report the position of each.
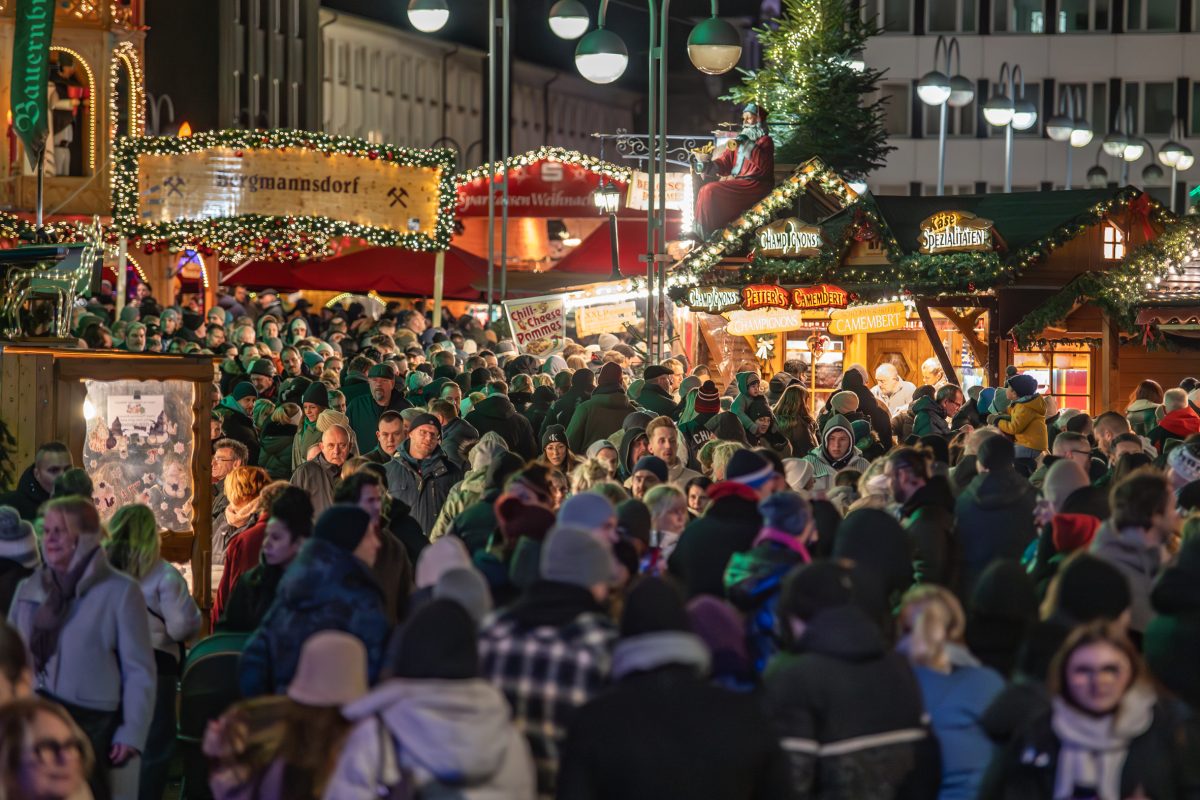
(956, 232)
(789, 238)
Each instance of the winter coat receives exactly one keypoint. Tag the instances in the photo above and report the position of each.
(250, 600)
(902, 424)
(497, 413)
(453, 739)
(305, 438)
(476, 524)
(364, 414)
(656, 400)
(1027, 423)
(468, 490)
(317, 477)
(730, 525)
(955, 702)
(929, 418)
(393, 571)
(240, 428)
(898, 400)
(1160, 763)
(696, 434)
(1143, 416)
(275, 450)
(1172, 640)
(422, 486)
(324, 588)
(928, 518)
(1178, 424)
(539, 410)
(105, 660)
(753, 582)
(879, 415)
(549, 654)
(691, 739)
(598, 417)
(241, 556)
(174, 616)
(879, 548)
(994, 519)
(1127, 550)
(11, 575)
(27, 497)
(564, 407)
(848, 712)
(458, 436)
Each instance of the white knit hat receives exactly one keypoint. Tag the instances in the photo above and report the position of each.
(1185, 461)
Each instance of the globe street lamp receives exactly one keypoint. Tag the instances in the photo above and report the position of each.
(937, 88)
(1175, 156)
(601, 56)
(1010, 111)
(569, 19)
(428, 16)
(714, 46)
(1068, 126)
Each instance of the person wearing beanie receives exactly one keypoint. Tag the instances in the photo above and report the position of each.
(18, 554)
(329, 586)
(753, 578)
(729, 525)
(1183, 465)
(1002, 610)
(602, 414)
(467, 587)
(383, 395)
(693, 421)
(497, 412)
(450, 729)
(551, 651)
(692, 739)
(648, 472)
(239, 425)
(556, 453)
(262, 376)
(583, 381)
(838, 682)
(994, 513)
(836, 453)
(1026, 420)
(590, 511)
(420, 475)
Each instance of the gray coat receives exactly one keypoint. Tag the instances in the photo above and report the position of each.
(104, 660)
(317, 477)
(1140, 563)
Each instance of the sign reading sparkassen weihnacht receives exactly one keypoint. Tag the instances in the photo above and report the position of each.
(789, 238)
(32, 34)
(955, 232)
(214, 182)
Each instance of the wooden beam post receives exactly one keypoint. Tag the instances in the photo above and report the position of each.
(936, 341)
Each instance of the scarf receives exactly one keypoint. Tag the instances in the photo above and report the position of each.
(746, 140)
(1093, 749)
(238, 516)
(649, 651)
(769, 534)
(51, 615)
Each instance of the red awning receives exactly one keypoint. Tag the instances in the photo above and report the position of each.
(386, 270)
(594, 255)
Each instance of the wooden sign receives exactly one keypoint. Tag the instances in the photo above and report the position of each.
(609, 318)
(789, 238)
(638, 195)
(765, 295)
(713, 299)
(822, 296)
(756, 323)
(868, 319)
(955, 232)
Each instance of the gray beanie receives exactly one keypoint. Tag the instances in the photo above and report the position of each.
(465, 586)
(575, 556)
(17, 542)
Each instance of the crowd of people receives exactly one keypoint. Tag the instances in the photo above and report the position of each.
(456, 570)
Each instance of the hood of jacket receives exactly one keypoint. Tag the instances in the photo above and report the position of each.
(457, 730)
(1127, 546)
(322, 572)
(925, 403)
(627, 442)
(1182, 422)
(496, 406)
(650, 651)
(486, 450)
(228, 402)
(755, 574)
(1142, 405)
(997, 488)
(842, 632)
(611, 396)
(936, 492)
(743, 382)
(278, 430)
(1036, 403)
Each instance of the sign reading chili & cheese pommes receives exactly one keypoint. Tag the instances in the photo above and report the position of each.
(867, 319)
(789, 238)
(955, 232)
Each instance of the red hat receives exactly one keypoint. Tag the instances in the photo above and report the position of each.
(708, 401)
(1071, 532)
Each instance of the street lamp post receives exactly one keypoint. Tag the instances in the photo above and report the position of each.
(1134, 145)
(1069, 125)
(1176, 156)
(714, 47)
(1010, 111)
(937, 88)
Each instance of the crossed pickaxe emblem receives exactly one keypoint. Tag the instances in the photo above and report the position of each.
(398, 196)
(173, 183)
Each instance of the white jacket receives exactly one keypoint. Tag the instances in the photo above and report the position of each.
(174, 616)
(459, 731)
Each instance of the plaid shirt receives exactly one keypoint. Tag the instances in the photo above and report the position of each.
(546, 673)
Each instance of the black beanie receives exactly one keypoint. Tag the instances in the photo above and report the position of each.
(1090, 588)
(437, 642)
(343, 525)
(317, 394)
(583, 378)
(480, 377)
(815, 587)
(634, 521)
(610, 375)
(652, 606)
(554, 433)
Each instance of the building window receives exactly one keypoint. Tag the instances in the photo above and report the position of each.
(892, 16)
(1018, 16)
(959, 121)
(1153, 15)
(1158, 109)
(1082, 16)
(950, 16)
(896, 106)
(1095, 103)
(1114, 242)
(1063, 371)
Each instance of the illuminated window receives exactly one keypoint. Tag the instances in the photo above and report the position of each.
(1063, 371)
(1114, 242)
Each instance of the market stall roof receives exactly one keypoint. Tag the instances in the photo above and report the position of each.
(386, 270)
(534, 284)
(594, 255)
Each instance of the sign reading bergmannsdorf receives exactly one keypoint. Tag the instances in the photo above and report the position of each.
(955, 232)
(169, 187)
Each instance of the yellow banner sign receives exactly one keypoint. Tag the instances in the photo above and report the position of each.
(223, 182)
(867, 319)
(756, 323)
(611, 318)
(955, 232)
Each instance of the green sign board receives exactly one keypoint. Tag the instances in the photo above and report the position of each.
(30, 76)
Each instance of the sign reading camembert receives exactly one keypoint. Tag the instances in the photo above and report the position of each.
(789, 238)
(867, 319)
(955, 232)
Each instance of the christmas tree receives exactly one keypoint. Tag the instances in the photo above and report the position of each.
(820, 103)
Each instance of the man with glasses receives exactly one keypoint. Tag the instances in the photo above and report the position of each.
(227, 454)
(930, 415)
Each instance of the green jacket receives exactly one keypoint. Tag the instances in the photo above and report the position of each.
(598, 417)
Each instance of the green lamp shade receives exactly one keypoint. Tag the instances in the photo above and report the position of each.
(714, 46)
(601, 56)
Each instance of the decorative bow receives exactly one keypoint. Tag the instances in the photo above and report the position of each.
(1139, 208)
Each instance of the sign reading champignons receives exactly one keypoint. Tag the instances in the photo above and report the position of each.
(789, 238)
(955, 232)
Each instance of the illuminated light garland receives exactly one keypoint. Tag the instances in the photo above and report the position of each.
(337, 299)
(604, 168)
(286, 238)
(92, 98)
(125, 53)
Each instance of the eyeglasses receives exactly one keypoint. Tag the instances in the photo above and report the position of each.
(51, 751)
(1079, 453)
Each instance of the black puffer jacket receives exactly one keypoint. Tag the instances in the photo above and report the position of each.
(275, 450)
(848, 712)
(582, 384)
(729, 525)
(994, 520)
(423, 487)
(928, 517)
(497, 413)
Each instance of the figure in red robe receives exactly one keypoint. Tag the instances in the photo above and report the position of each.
(747, 174)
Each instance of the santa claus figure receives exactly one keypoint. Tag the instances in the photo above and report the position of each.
(747, 174)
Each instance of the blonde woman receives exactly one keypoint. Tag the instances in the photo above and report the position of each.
(43, 753)
(590, 472)
(955, 687)
(133, 547)
(87, 629)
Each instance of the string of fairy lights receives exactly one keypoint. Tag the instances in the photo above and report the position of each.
(605, 169)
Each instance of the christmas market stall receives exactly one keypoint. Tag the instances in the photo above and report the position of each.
(936, 286)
